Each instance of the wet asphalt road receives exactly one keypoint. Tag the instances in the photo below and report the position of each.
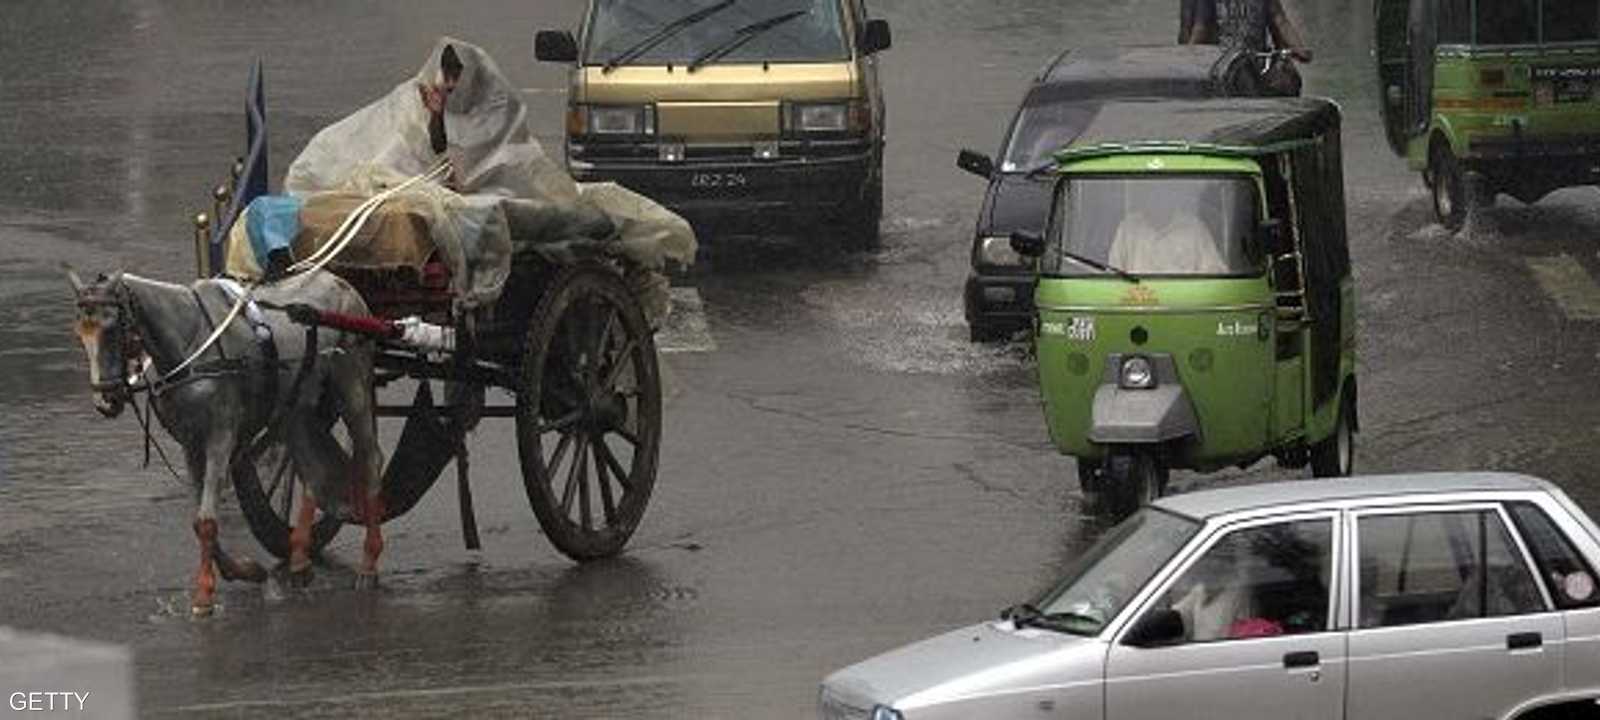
(841, 473)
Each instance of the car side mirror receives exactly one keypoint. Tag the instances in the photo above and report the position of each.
(1027, 244)
(556, 46)
(1155, 629)
(976, 163)
(875, 37)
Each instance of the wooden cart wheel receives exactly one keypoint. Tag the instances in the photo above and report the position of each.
(589, 414)
(268, 488)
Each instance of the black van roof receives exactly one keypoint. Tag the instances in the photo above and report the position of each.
(1235, 126)
(1096, 73)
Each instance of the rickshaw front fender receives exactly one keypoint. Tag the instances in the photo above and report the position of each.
(1141, 417)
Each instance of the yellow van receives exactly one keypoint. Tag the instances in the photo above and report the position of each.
(741, 115)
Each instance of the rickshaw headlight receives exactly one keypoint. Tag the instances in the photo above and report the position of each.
(884, 712)
(1137, 374)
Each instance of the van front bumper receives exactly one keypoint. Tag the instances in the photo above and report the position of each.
(744, 195)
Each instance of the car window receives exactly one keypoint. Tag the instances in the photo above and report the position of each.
(1568, 576)
(1257, 582)
(1440, 566)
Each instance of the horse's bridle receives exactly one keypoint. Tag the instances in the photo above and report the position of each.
(127, 341)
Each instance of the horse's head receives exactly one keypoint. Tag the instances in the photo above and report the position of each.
(105, 327)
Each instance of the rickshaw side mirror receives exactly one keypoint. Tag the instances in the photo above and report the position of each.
(1155, 629)
(875, 37)
(1027, 244)
(1270, 235)
(555, 46)
(976, 163)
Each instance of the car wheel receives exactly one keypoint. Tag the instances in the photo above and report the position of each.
(1336, 455)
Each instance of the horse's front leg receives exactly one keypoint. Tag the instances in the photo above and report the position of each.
(354, 380)
(212, 469)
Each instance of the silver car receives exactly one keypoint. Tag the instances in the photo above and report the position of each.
(1415, 596)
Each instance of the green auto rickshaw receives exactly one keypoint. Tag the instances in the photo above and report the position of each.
(1195, 304)
(1491, 96)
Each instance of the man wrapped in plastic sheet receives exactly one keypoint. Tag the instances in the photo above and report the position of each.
(502, 196)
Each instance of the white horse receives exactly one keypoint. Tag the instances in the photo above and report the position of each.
(235, 389)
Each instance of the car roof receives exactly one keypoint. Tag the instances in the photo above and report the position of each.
(1099, 73)
(1205, 504)
(1235, 126)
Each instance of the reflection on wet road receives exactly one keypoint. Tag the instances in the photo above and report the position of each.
(842, 471)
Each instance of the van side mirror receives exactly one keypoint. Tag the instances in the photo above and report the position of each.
(1027, 244)
(556, 46)
(976, 163)
(875, 37)
(1157, 628)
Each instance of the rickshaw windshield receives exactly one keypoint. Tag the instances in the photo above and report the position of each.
(1105, 578)
(1172, 225)
(620, 27)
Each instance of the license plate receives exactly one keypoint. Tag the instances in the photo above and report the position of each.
(1564, 84)
(718, 181)
(1567, 91)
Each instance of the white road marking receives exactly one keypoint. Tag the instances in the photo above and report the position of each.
(687, 330)
(1566, 282)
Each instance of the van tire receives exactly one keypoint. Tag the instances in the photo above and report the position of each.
(861, 226)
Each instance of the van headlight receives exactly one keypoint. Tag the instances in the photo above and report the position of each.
(997, 252)
(1137, 374)
(614, 120)
(826, 117)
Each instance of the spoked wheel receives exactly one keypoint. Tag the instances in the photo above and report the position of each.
(1134, 479)
(1336, 455)
(589, 416)
(269, 492)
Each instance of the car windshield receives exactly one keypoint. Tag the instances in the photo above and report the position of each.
(1106, 577)
(1040, 130)
(1156, 225)
(619, 26)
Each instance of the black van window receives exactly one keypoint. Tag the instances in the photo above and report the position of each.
(1508, 22)
(1571, 20)
(620, 25)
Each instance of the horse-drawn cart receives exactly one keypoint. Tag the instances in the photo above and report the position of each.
(568, 335)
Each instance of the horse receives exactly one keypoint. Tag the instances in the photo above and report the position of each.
(264, 374)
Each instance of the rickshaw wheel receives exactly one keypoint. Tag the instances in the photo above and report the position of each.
(1134, 479)
(589, 414)
(265, 482)
(1336, 455)
(1090, 479)
(1450, 200)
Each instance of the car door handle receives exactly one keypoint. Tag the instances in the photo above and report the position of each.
(1309, 658)
(1524, 641)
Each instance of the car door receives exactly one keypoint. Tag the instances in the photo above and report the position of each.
(1449, 621)
(1258, 634)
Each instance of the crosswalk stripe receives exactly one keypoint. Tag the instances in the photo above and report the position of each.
(686, 330)
(1566, 282)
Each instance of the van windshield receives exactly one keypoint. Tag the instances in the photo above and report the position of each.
(1156, 225)
(620, 26)
(1042, 129)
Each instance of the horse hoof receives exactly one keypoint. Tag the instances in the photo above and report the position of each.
(202, 610)
(298, 579)
(366, 581)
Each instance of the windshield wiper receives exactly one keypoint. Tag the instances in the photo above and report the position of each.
(1102, 267)
(742, 36)
(666, 31)
(1026, 615)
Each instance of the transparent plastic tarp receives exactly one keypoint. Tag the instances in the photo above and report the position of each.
(504, 195)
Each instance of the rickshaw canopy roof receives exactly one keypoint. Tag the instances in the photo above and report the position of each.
(1241, 127)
